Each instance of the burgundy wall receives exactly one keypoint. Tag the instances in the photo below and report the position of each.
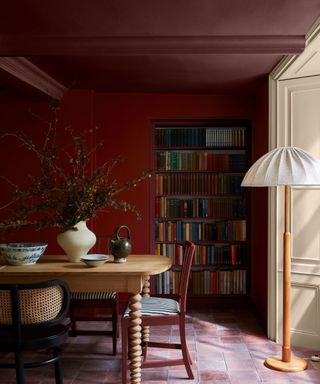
(18, 163)
(125, 124)
(259, 212)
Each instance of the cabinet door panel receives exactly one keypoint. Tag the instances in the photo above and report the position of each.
(299, 125)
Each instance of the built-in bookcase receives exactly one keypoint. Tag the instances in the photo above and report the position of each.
(198, 197)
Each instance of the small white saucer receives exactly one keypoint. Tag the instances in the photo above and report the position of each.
(94, 260)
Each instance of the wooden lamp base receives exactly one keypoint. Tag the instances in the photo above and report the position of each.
(286, 363)
(296, 364)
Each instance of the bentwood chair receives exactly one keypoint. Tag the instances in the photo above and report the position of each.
(31, 319)
(95, 306)
(163, 311)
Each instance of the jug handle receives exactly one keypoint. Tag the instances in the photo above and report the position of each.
(119, 229)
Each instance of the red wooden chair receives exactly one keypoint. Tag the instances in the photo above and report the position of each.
(163, 311)
(95, 306)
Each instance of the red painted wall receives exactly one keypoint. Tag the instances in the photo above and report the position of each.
(259, 212)
(18, 164)
(125, 125)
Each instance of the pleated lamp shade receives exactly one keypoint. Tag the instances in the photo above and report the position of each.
(283, 166)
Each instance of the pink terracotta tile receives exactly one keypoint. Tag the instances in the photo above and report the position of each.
(307, 376)
(255, 339)
(50, 381)
(154, 374)
(84, 380)
(313, 365)
(211, 356)
(228, 326)
(235, 355)
(270, 374)
(282, 381)
(259, 363)
(212, 365)
(231, 339)
(244, 381)
(155, 382)
(176, 339)
(101, 364)
(207, 341)
(204, 324)
(228, 332)
(181, 374)
(177, 354)
(98, 375)
(245, 376)
(213, 376)
(226, 346)
(267, 349)
(240, 365)
(204, 351)
(182, 381)
(156, 353)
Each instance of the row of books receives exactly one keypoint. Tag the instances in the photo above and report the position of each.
(233, 207)
(197, 183)
(204, 282)
(227, 230)
(200, 161)
(225, 137)
(200, 136)
(213, 254)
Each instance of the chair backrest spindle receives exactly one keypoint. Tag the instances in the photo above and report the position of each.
(188, 254)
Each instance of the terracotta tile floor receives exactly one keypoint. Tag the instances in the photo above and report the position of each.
(226, 346)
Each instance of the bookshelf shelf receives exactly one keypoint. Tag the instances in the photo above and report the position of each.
(230, 148)
(203, 241)
(198, 197)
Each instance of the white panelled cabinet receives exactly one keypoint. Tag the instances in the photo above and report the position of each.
(295, 121)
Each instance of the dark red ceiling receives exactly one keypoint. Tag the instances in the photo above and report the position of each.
(174, 46)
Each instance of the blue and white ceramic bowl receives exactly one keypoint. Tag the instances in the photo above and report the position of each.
(22, 253)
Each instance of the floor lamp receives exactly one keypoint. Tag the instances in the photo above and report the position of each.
(285, 166)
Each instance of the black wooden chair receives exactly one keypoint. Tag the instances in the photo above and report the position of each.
(31, 319)
(96, 306)
(163, 311)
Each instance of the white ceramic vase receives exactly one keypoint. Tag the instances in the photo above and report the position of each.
(76, 243)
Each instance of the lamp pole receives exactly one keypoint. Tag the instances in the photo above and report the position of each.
(286, 348)
(286, 363)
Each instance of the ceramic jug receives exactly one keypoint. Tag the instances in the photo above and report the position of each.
(120, 247)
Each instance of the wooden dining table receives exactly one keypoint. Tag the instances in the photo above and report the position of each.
(131, 276)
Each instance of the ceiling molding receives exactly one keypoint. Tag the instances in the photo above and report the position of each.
(313, 32)
(282, 66)
(24, 70)
(130, 45)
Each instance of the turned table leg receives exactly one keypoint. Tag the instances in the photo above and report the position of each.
(135, 339)
(146, 293)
